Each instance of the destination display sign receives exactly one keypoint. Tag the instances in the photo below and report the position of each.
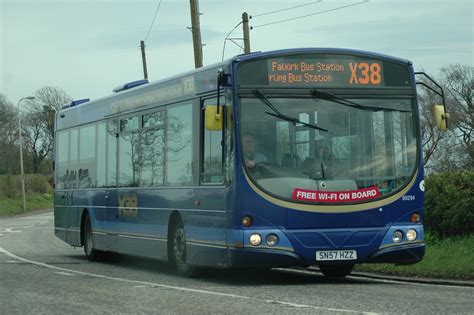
(284, 72)
(324, 70)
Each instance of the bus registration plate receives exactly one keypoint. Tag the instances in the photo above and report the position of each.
(336, 255)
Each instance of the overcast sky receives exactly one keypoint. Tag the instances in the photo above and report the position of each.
(87, 47)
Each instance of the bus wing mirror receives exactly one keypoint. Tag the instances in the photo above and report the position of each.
(213, 117)
(220, 77)
(440, 117)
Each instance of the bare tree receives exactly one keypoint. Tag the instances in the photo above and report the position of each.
(9, 150)
(39, 125)
(446, 151)
(48, 101)
(458, 80)
(431, 135)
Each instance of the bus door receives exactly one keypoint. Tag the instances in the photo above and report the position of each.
(215, 144)
(123, 200)
(111, 200)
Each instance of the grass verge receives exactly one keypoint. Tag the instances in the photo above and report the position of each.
(34, 201)
(449, 258)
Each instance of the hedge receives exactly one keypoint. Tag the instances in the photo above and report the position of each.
(449, 204)
(10, 185)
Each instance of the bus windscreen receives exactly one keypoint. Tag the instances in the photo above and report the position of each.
(323, 70)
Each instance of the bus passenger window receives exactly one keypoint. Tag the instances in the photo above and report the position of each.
(62, 158)
(87, 172)
(130, 123)
(179, 146)
(71, 173)
(128, 159)
(153, 149)
(101, 171)
(112, 153)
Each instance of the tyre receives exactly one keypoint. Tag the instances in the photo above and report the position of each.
(336, 271)
(91, 253)
(178, 250)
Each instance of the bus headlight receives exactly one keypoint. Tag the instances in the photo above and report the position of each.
(255, 239)
(272, 240)
(397, 236)
(411, 235)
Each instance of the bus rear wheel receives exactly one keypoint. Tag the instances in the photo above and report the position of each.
(179, 251)
(91, 253)
(336, 271)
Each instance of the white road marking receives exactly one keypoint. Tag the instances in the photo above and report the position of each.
(29, 217)
(10, 230)
(18, 229)
(64, 273)
(321, 308)
(379, 280)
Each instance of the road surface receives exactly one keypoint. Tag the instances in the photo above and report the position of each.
(41, 274)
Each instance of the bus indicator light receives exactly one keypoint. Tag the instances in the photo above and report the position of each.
(415, 218)
(247, 221)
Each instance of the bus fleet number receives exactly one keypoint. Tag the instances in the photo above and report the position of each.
(365, 73)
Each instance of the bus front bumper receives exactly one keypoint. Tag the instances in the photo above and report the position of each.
(242, 258)
(400, 254)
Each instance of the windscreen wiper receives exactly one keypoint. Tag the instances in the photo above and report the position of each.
(340, 100)
(278, 114)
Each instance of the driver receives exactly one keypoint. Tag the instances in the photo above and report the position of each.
(251, 157)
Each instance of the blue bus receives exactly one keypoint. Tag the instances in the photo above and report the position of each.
(294, 157)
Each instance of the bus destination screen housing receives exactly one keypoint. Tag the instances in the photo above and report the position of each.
(324, 70)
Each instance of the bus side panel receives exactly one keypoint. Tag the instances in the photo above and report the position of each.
(205, 228)
(74, 211)
(91, 201)
(61, 221)
(140, 225)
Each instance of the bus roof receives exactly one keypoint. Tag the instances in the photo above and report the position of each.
(178, 87)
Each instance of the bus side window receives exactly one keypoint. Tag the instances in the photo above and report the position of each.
(212, 150)
(62, 158)
(112, 132)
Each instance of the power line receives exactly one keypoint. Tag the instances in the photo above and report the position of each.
(227, 37)
(153, 22)
(316, 13)
(290, 8)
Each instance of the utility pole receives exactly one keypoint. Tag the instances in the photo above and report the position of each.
(245, 24)
(145, 72)
(196, 30)
(21, 151)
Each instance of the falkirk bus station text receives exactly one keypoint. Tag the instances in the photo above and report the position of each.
(293, 72)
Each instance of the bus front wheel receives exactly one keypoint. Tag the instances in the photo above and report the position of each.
(179, 251)
(336, 271)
